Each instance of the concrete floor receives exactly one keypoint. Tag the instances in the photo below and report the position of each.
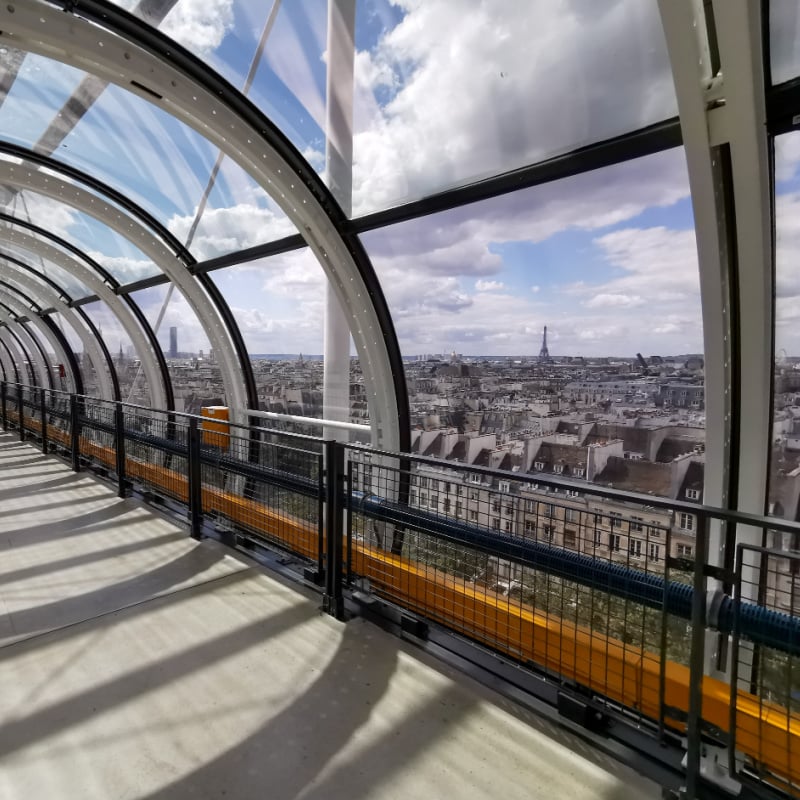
(137, 663)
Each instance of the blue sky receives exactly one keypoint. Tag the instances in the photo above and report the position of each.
(606, 260)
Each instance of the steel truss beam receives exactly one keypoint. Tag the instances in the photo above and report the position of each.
(147, 63)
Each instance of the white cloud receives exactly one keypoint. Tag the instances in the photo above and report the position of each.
(535, 289)
(225, 230)
(500, 89)
(489, 286)
(199, 25)
(606, 300)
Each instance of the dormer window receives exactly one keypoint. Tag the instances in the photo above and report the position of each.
(538, 465)
(558, 468)
(579, 472)
(692, 494)
(504, 486)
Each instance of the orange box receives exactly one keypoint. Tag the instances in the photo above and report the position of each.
(215, 426)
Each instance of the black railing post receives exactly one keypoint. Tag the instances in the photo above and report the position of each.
(333, 601)
(119, 446)
(694, 732)
(195, 480)
(4, 404)
(75, 432)
(43, 412)
(349, 527)
(21, 413)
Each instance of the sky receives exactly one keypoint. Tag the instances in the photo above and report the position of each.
(606, 259)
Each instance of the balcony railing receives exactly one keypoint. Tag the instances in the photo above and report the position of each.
(605, 603)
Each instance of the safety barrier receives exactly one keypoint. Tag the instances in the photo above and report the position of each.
(563, 582)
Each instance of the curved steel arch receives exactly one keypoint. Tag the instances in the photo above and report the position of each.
(143, 60)
(111, 281)
(163, 234)
(142, 336)
(7, 359)
(19, 313)
(209, 316)
(23, 357)
(93, 345)
(75, 371)
(58, 340)
(19, 304)
(101, 188)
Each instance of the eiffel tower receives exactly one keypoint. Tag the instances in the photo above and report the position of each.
(544, 354)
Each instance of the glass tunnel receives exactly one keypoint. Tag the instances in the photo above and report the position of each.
(558, 241)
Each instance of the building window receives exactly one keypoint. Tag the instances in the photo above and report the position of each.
(570, 538)
(684, 550)
(473, 515)
(636, 523)
(616, 519)
(459, 508)
(558, 468)
(635, 548)
(474, 477)
(547, 533)
(530, 527)
(579, 472)
(423, 482)
(616, 542)
(504, 486)
(509, 510)
(530, 505)
(547, 509)
(496, 523)
(692, 494)
(569, 515)
(447, 505)
(538, 465)
(447, 487)
(686, 521)
(496, 506)
(459, 490)
(598, 537)
(473, 495)
(507, 526)
(435, 502)
(423, 498)
(654, 552)
(413, 498)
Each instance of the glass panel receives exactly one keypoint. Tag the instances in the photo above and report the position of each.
(786, 427)
(289, 83)
(69, 284)
(195, 374)
(238, 214)
(41, 85)
(510, 84)
(123, 260)
(132, 380)
(279, 304)
(471, 291)
(784, 39)
(90, 384)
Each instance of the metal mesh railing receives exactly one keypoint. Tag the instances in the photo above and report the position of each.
(605, 595)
